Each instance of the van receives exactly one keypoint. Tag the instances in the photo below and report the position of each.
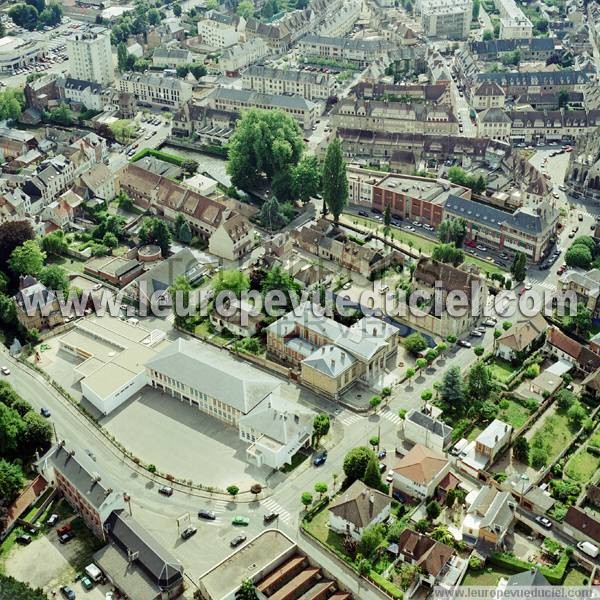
(588, 548)
(93, 572)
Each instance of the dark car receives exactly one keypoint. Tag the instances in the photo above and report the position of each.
(237, 540)
(320, 459)
(363, 213)
(165, 490)
(45, 412)
(66, 537)
(23, 539)
(382, 453)
(544, 522)
(382, 467)
(67, 592)
(270, 517)
(207, 514)
(188, 532)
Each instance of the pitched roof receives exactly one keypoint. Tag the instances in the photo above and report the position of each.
(330, 360)
(421, 464)
(527, 579)
(429, 554)
(522, 334)
(563, 342)
(433, 425)
(360, 504)
(582, 521)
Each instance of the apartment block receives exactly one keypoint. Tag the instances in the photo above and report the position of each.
(310, 85)
(241, 55)
(447, 19)
(90, 56)
(155, 90)
(357, 50)
(218, 30)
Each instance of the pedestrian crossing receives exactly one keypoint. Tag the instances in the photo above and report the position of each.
(391, 416)
(347, 418)
(536, 283)
(271, 505)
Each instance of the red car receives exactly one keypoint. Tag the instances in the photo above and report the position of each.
(64, 529)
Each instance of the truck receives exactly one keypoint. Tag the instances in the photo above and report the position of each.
(588, 548)
(93, 572)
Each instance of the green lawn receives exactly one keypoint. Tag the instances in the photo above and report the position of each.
(474, 432)
(425, 245)
(576, 577)
(501, 370)
(554, 435)
(318, 528)
(75, 266)
(489, 576)
(516, 414)
(582, 465)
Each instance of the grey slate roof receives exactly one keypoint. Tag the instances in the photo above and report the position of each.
(163, 569)
(287, 74)
(215, 374)
(255, 98)
(527, 579)
(435, 426)
(541, 78)
(540, 44)
(330, 360)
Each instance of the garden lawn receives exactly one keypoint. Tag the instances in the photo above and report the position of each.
(489, 576)
(318, 528)
(582, 465)
(555, 433)
(74, 266)
(516, 414)
(576, 577)
(501, 370)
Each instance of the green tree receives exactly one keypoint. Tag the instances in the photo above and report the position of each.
(321, 425)
(426, 395)
(11, 481)
(518, 268)
(122, 57)
(12, 103)
(16, 590)
(372, 475)
(27, 259)
(387, 219)
(433, 510)
(54, 243)
(355, 462)
(271, 214)
(307, 499)
(110, 240)
(184, 233)
(452, 392)
(422, 525)
(374, 402)
(371, 539)
(448, 253)
(245, 9)
(421, 363)
(247, 589)
(576, 414)
(8, 312)
(479, 381)
(320, 488)
(565, 399)
(155, 231)
(265, 142)
(306, 178)
(61, 115)
(579, 255)
(475, 10)
(488, 35)
(11, 430)
(233, 490)
(410, 373)
(580, 322)
(37, 434)
(153, 17)
(123, 130)
(177, 10)
(563, 98)
(180, 291)
(279, 279)
(231, 280)
(335, 181)
(415, 343)
(55, 278)
(521, 449)
(24, 15)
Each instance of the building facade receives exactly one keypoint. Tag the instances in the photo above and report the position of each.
(90, 56)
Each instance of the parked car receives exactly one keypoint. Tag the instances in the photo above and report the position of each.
(390, 476)
(165, 490)
(67, 592)
(207, 514)
(64, 529)
(237, 540)
(490, 322)
(464, 343)
(87, 583)
(5, 371)
(52, 520)
(382, 453)
(23, 539)
(476, 333)
(320, 459)
(66, 537)
(580, 217)
(363, 213)
(270, 517)
(188, 532)
(45, 412)
(544, 522)
(382, 467)
(238, 520)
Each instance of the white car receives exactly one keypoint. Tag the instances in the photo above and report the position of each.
(389, 477)
(5, 371)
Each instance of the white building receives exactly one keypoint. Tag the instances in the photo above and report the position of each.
(424, 429)
(156, 90)
(482, 452)
(87, 93)
(90, 56)
(419, 472)
(171, 57)
(513, 22)
(275, 430)
(241, 55)
(448, 19)
(17, 52)
(342, 21)
(221, 31)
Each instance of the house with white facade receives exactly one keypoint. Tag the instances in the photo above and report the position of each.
(521, 338)
(482, 452)
(219, 30)
(357, 508)
(233, 238)
(419, 472)
(423, 428)
(490, 514)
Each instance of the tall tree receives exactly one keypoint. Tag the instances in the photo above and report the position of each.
(156, 231)
(452, 392)
(11, 481)
(122, 57)
(55, 278)
(355, 462)
(518, 268)
(335, 181)
(321, 426)
(180, 296)
(387, 219)
(479, 381)
(372, 476)
(27, 259)
(231, 280)
(306, 178)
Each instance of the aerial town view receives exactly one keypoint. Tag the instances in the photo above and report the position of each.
(299, 299)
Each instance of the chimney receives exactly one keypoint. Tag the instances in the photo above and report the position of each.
(333, 363)
(374, 331)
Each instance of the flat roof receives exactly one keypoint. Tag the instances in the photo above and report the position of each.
(431, 191)
(224, 579)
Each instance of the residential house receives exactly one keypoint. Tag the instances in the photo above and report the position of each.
(562, 347)
(587, 288)
(100, 182)
(155, 90)
(489, 516)
(233, 238)
(422, 428)
(14, 142)
(494, 123)
(432, 557)
(235, 58)
(358, 50)
(37, 306)
(581, 525)
(82, 93)
(526, 579)
(521, 339)
(241, 319)
(488, 95)
(435, 279)
(75, 475)
(275, 431)
(481, 452)
(357, 508)
(218, 30)
(171, 57)
(418, 473)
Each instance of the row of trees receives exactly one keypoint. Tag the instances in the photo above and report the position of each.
(135, 22)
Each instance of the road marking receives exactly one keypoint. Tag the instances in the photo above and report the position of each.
(543, 283)
(390, 416)
(270, 504)
(347, 418)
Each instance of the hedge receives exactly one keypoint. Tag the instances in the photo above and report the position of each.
(389, 587)
(554, 574)
(160, 155)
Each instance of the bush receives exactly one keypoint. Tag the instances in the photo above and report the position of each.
(475, 563)
(386, 585)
